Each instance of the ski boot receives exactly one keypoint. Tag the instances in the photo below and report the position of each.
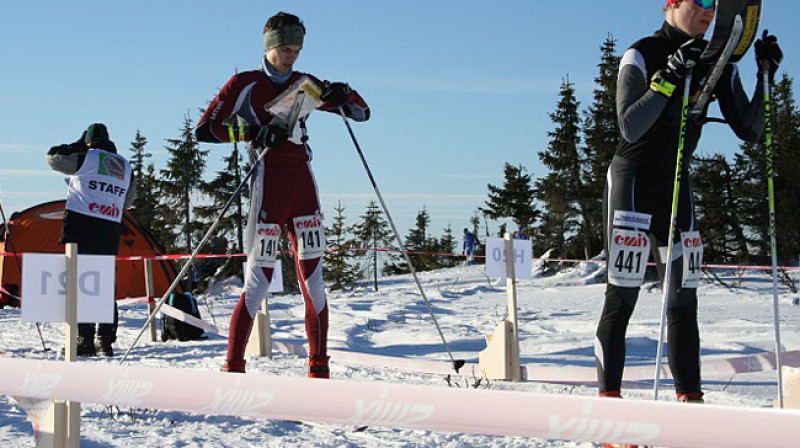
(234, 366)
(691, 397)
(103, 348)
(318, 367)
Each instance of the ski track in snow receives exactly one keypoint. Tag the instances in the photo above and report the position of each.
(557, 318)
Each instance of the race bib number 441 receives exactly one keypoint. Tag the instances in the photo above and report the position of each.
(627, 258)
(310, 235)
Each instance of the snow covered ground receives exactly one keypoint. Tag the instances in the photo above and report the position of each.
(557, 317)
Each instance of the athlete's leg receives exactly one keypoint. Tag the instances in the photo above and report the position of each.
(619, 301)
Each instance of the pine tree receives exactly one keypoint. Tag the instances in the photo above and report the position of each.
(145, 204)
(565, 224)
(446, 245)
(338, 271)
(601, 138)
(231, 226)
(751, 162)
(373, 232)
(181, 179)
(514, 200)
(715, 203)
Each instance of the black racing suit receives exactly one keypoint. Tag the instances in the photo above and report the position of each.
(641, 179)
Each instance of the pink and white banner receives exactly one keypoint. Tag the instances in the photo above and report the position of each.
(576, 418)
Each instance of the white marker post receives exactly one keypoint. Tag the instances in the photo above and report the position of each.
(150, 293)
(260, 341)
(73, 435)
(68, 289)
(500, 359)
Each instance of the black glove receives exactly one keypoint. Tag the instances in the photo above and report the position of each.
(768, 53)
(683, 60)
(269, 136)
(335, 93)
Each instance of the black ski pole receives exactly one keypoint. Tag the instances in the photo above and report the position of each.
(457, 363)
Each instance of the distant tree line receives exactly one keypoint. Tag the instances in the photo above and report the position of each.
(562, 209)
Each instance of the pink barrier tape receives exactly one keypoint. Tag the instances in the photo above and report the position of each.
(175, 313)
(488, 412)
(437, 254)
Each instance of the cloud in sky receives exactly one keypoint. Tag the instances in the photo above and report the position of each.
(29, 173)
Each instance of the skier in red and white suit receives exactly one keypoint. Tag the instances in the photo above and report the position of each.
(283, 190)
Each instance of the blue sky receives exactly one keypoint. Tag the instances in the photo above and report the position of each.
(457, 88)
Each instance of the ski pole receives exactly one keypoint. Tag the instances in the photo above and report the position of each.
(292, 118)
(19, 266)
(672, 221)
(457, 364)
(772, 238)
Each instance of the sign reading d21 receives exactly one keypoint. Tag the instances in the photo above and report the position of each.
(44, 288)
(496, 258)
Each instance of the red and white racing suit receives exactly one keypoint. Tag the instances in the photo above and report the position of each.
(283, 195)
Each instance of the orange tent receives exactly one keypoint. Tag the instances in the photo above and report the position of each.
(38, 228)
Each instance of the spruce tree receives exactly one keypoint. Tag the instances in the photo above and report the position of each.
(751, 162)
(715, 203)
(230, 232)
(145, 204)
(565, 225)
(339, 272)
(514, 200)
(601, 138)
(181, 179)
(446, 245)
(373, 233)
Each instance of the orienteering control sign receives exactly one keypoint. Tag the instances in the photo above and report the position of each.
(45, 287)
(496, 258)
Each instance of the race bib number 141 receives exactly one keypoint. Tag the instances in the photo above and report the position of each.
(310, 235)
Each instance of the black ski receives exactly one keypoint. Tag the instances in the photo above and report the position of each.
(735, 29)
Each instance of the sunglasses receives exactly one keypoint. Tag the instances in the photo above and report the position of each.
(705, 4)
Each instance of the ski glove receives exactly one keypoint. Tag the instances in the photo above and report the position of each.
(678, 65)
(270, 136)
(768, 53)
(336, 93)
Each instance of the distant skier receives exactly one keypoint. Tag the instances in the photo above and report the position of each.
(640, 181)
(470, 247)
(283, 192)
(101, 187)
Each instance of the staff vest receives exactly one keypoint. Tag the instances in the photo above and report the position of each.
(99, 186)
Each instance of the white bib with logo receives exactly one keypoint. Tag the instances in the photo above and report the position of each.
(627, 258)
(310, 235)
(99, 187)
(692, 246)
(264, 251)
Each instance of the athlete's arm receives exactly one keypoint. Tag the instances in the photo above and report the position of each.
(354, 107)
(744, 115)
(638, 106)
(130, 195)
(212, 128)
(67, 158)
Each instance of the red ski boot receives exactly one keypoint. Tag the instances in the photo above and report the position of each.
(691, 397)
(318, 367)
(234, 366)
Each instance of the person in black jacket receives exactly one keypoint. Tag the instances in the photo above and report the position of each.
(101, 187)
(640, 182)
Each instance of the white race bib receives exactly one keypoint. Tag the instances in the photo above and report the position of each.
(692, 259)
(627, 259)
(310, 235)
(264, 250)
